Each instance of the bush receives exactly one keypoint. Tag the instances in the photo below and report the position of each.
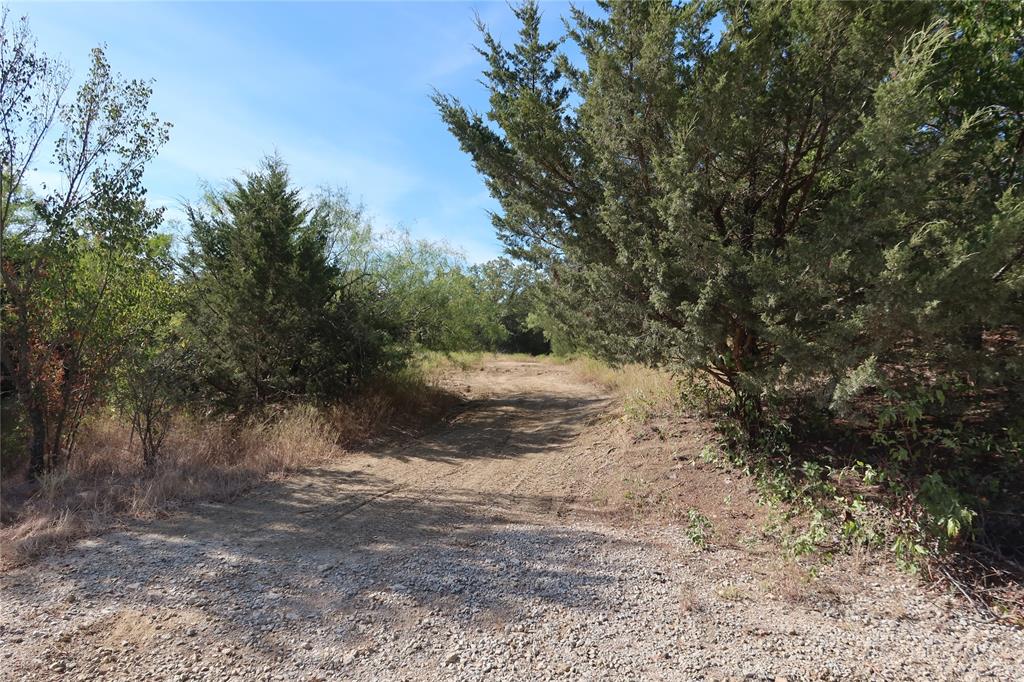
(780, 203)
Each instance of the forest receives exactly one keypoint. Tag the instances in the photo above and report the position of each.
(809, 214)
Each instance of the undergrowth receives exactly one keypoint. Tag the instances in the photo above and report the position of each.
(911, 475)
(201, 459)
(908, 477)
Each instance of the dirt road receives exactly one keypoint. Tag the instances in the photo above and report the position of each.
(489, 548)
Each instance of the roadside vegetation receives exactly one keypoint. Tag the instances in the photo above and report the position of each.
(804, 221)
(813, 211)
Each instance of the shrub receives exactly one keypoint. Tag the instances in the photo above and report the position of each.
(272, 313)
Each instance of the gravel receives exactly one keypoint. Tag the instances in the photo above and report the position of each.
(414, 567)
(521, 600)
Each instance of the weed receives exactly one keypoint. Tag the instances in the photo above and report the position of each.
(699, 529)
(731, 592)
(709, 454)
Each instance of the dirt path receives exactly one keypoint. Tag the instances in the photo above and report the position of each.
(485, 549)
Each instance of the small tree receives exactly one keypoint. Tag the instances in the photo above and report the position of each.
(278, 306)
(155, 376)
(151, 389)
(71, 253)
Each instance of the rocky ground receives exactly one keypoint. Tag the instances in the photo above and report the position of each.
(515, 542)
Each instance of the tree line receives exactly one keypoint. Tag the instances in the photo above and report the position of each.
(276, 295)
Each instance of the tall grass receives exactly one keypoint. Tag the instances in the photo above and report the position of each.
(644, 391)
(201, 460)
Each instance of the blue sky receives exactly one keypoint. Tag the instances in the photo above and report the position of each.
(340, 91)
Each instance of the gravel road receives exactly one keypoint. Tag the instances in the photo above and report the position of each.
(472, 552)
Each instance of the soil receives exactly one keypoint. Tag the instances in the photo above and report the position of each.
(536, 534)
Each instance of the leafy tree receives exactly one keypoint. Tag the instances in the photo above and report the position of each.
(512, 289)
(155, 376)
(72, 253)
(277, 307)
(436, 298)
(783, 203)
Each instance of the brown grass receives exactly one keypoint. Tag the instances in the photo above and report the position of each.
(200, 460)
(644, 391)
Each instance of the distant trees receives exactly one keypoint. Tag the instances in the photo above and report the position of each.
(438, 301)
(513, 289)
(289, 298)
(815, 190)
(76, 250)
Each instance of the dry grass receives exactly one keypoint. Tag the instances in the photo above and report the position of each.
(645, 391)
(731, 592)
(690, 602)
(201, 460)
(219, 459)
(433, 362)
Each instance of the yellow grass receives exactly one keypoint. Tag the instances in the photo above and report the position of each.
(203, 460)
(645, 391)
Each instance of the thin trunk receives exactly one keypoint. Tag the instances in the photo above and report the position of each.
(37, 443)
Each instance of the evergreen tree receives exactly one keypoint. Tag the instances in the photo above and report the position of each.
(779, 194)
(272, 314)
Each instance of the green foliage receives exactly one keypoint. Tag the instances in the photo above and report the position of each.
(287, 298)
(513, 289)
(944, 508)
(279, 296)
(439, 302)
(563, 340)
(75, 256)
(156, 376)
(956, 471)
(820, 205)
(775, 205)
(275, 308)
(698, 529)
(815, 534)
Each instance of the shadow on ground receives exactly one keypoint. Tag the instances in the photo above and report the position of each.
(297, 555)
(279, 573)
(501, 428)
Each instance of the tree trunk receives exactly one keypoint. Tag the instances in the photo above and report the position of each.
(37, 443)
